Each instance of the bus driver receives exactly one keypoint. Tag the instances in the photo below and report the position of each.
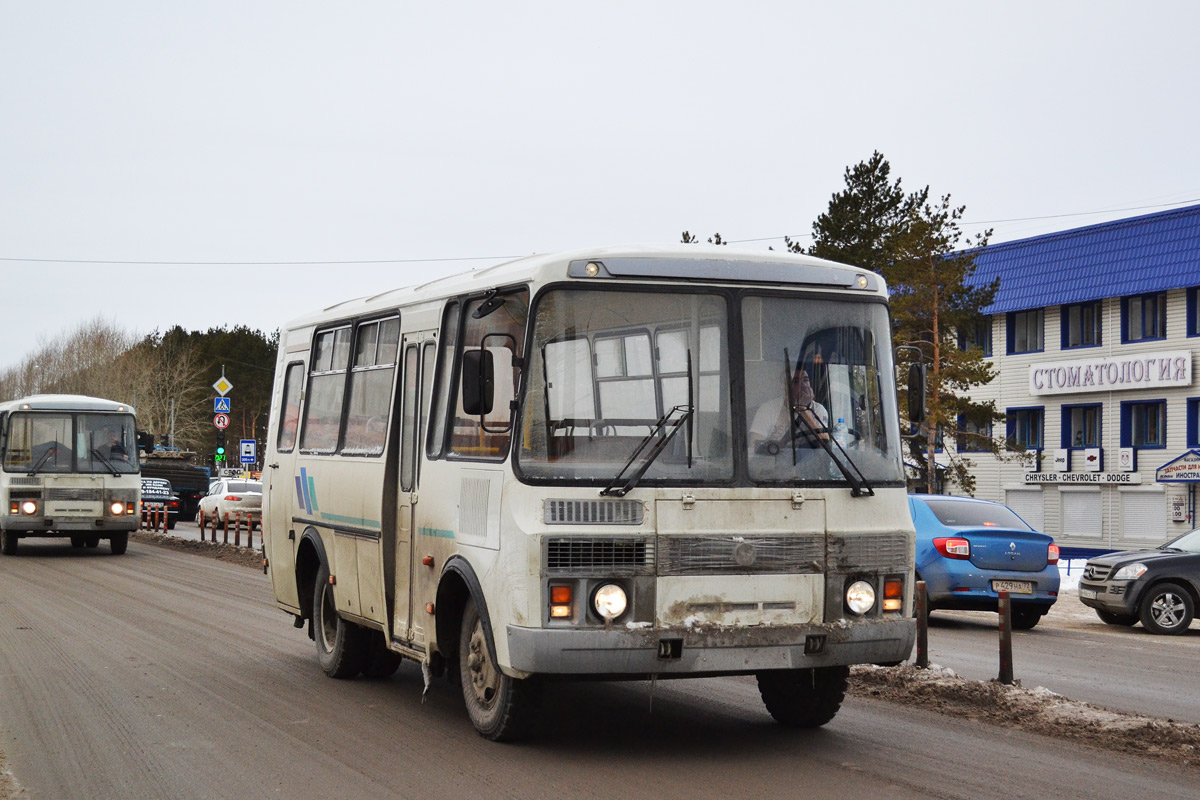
(769, 430)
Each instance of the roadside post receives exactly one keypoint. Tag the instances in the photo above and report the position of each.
(1006, 661)
(922, 600)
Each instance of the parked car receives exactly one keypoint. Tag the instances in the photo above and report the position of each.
(157, 497)
(1158, 587)
(969, 550)
(228, 496)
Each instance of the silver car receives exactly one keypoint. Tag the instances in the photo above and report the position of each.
(230, 496)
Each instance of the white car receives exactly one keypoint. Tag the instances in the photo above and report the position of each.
(230, 496)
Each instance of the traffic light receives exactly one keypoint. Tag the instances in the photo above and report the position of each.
(219, 455)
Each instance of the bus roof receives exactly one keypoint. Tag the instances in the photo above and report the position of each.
(65, 402)
(693, 263)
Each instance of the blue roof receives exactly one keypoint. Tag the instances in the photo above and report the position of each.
(1138, 255)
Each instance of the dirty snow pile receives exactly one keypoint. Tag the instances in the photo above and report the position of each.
(1035, 710)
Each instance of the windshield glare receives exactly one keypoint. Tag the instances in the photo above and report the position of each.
(811, 364)
(958, 513)
(65, 442)
(1189, 542)
(606, 366)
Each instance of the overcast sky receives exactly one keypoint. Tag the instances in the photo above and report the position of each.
(440, 137)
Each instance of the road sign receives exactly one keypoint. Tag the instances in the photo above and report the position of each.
(248, 448)
(222, 386)
(221, 421)
(220, 404)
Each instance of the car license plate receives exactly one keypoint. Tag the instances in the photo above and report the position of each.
(1015, 587)
(1090, 594)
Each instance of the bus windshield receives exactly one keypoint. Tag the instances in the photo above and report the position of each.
(607, 367)
(66, 442)
(819, 372)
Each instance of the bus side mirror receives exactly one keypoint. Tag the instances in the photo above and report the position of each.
(478, 382)
(916, 393)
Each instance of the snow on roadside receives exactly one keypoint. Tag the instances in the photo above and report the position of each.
(1035, 710)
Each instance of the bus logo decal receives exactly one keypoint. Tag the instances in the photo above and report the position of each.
(306, 491)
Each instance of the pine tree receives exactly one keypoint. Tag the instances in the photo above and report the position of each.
(920, 250)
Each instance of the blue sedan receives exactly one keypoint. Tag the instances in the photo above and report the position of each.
(969, 550)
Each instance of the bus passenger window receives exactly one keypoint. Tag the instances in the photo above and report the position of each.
(290, 413)
(326, 387)
(371, 380)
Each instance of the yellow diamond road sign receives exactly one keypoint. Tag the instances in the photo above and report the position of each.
(222, 386)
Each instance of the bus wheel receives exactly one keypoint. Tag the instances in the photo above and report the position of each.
(341, 645)
(118, 543)
(77, 541)
(8, 542)
(501, 708)
(380, 662)
(92, 541)
(803, 698)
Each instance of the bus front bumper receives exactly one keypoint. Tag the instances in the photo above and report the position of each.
(636, 652)
(47, 526)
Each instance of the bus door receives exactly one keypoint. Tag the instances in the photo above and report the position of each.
(419, 351)
(280, 487)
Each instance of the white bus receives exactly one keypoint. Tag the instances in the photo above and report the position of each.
(70, 468)
(564, 467)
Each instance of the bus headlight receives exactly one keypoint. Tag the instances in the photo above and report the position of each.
(117, 508)
(610, 601)
(29, 507)
(860, 597)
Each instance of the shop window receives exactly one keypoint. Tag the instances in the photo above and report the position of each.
(1193, 312)
(978, 335)
(1081, 426)
(973, 437)
(1144, 424)
(1025, 331)
(1144, 317)
(1193, 422)
(1025, 428)
(1081, 324)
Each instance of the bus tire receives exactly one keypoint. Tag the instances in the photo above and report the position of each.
(91, 541)
(341, 645)
(77, 541)
(8, 542)
(118, 543)
(380, 662)
(501, 708)
(803, 698)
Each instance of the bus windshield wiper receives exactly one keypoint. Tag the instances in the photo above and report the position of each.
(45, 457)
(858, 482)
(106, 462)
(656, 443)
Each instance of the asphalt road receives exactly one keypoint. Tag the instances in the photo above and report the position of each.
(162, 674)
(1071, 652)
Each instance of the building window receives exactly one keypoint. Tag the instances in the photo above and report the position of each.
(1025, 331)
(1193, 422)
(1193, 313)
(972, 437)
(1144, 424)
(1144, 316)
(978, 335)
(1025, 427)
(1081, 426)
(1081, 323)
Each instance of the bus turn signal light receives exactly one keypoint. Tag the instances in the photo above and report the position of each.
(560, 602)
(893, 594)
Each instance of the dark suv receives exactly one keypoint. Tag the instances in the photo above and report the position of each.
(158, 496)
(1159, 587)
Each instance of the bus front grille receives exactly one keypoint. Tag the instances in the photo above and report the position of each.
(608, 556)
(734, 554)
(84, 494)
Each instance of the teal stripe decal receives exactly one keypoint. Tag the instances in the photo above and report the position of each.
(312, 492)
(365, 523)
(437, 533)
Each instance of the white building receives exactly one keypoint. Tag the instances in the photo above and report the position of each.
(1095, 334)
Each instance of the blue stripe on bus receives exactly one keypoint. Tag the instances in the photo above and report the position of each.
(436, 532)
